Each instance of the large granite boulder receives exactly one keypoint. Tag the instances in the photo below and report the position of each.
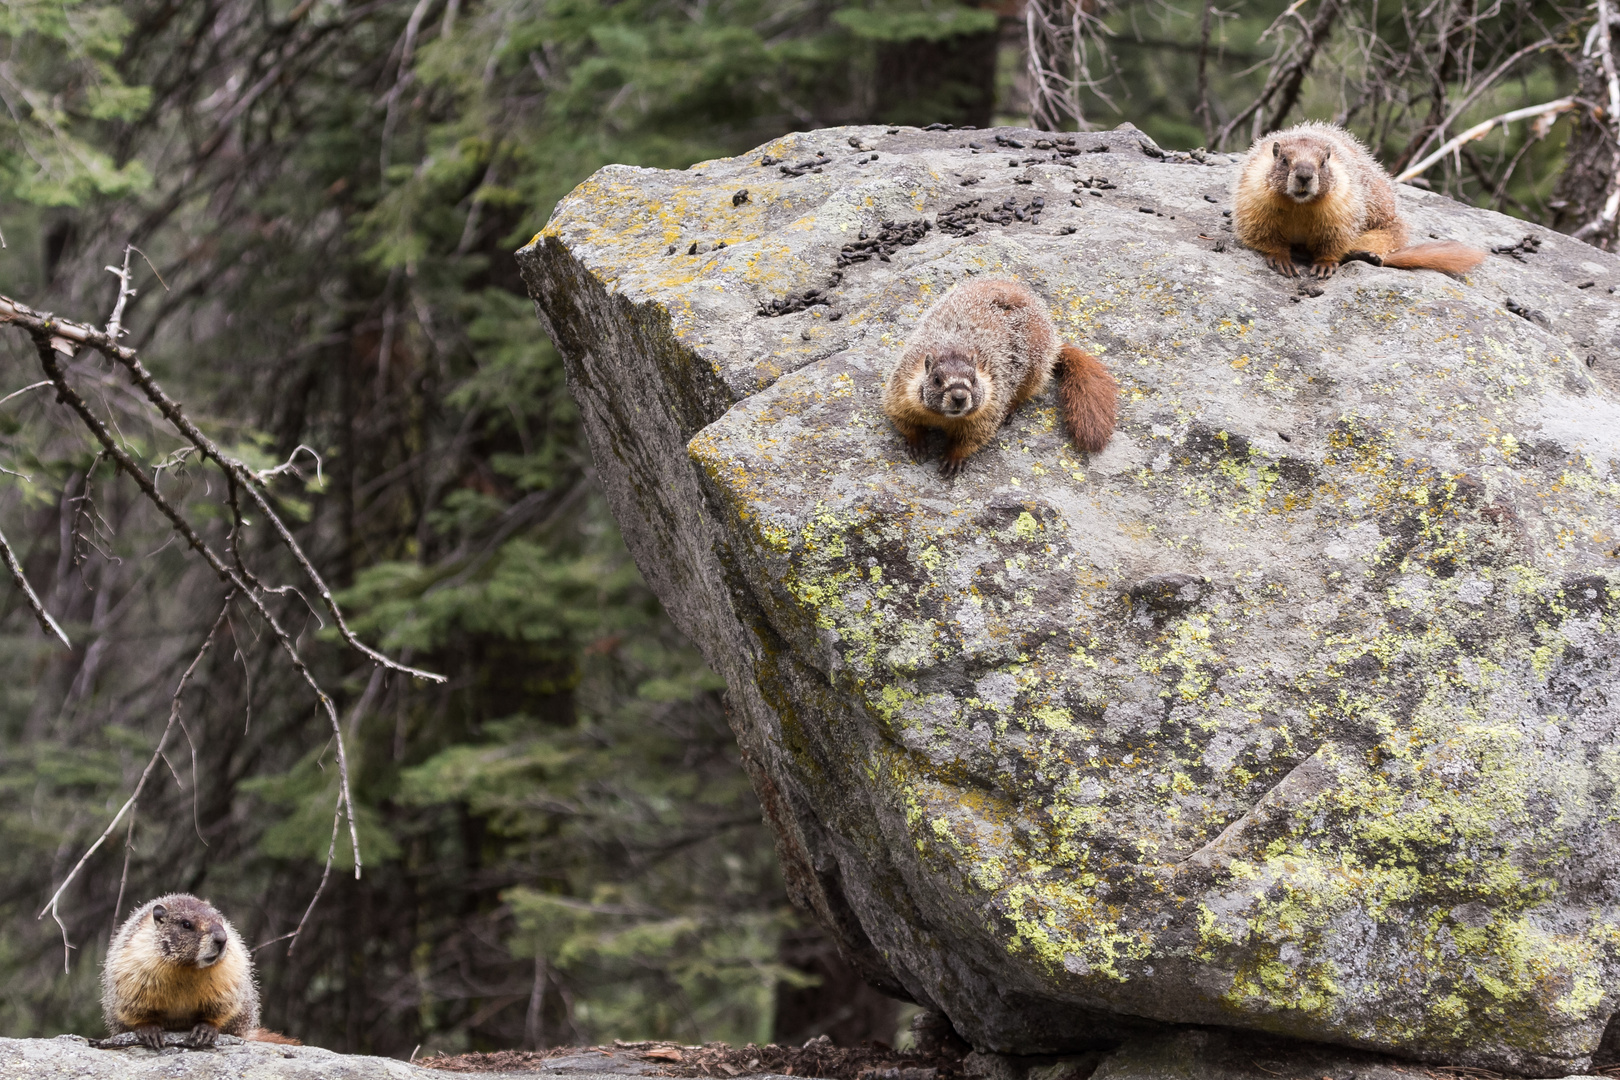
(1295, 709)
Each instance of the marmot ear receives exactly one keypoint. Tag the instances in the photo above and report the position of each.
(159, 912)
(1327, 154)
(1276, 149)
(928, 362)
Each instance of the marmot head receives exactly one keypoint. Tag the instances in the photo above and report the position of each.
(1299, 168)
(952, 384)
(188, 932)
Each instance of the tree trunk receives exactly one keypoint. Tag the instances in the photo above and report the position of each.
(1584, 200)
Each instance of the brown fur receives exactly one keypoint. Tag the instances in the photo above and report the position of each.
(265, 1035)
(1003, 329)
(1316, 187)
(177, 965)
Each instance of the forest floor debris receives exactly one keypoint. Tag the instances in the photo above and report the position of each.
(818, 1057)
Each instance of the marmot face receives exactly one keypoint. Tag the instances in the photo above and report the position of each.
(952, 384)
(1301, 171)
(189, 934)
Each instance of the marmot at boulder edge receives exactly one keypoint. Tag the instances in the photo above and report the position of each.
(984, 349)
(1316, 187)
(178, 965)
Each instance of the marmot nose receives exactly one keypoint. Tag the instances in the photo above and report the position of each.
(959, 398)
(219, 936)
(1305, 173)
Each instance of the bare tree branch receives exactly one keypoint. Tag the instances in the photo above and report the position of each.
(43, 617)
(326, 873)
(123, 878)
(1480, 130)
(46, 344)
(115, 325)
(58, 329)
(1479, 88)
(1061, 37)
(1289, 77)
(24, 390)
(146, 774)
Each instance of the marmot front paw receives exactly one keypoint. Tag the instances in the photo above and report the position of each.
(1283, 266)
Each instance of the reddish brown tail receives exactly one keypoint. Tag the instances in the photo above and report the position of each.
(1447, 255)
(265, 1035)
(1088, 394)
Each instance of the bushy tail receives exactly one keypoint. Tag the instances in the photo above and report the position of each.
(1447, 255)
(1088, 394)
(265, 1035)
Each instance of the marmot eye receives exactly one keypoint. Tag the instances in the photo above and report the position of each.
(938, 381)
(186, 923)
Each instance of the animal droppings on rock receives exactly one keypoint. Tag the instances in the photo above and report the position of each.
(1523, 311)
(1529, 244)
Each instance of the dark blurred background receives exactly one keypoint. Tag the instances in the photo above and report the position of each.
(561, 846)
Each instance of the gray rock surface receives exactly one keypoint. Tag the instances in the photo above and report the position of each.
(1295, 709)
(69, 1056)
(72, 1056)
(1213, 1055)
(1170, 1054)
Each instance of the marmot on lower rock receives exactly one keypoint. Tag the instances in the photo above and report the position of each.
(178, 965)
(1316, 187)
(987, 347)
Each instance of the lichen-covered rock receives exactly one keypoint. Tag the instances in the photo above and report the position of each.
(1295, 709)
(1194, 1054)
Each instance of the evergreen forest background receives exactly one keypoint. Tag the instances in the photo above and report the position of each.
(560, 844)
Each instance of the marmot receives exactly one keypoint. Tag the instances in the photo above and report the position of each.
(1316, 187)
(984, 349)
(178, 965)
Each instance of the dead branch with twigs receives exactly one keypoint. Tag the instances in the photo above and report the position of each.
(1295, 56)
(1065, 38)
(140, 785)
(1544, 111)
(55, 340)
